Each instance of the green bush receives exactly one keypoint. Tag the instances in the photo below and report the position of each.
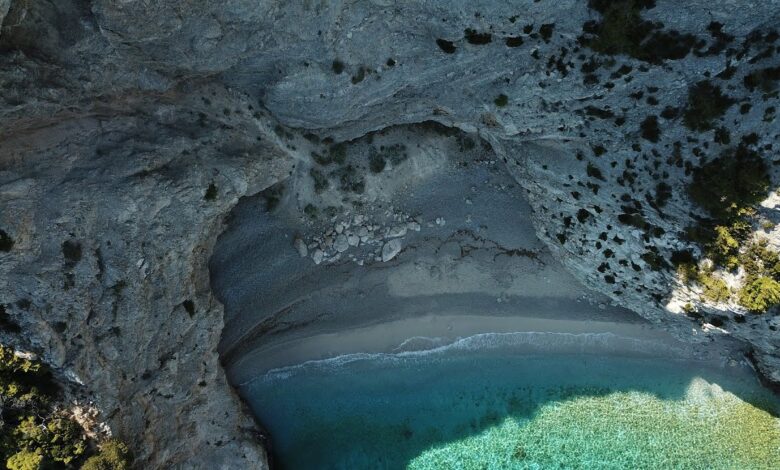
(723, 250)
(211, 192)
(23, 383)
(321, 182)
(58, 438)
(34, 434)
(113, 455)
(25, 460)
(729, 186)
(688, 272)
(6, 242)
(760, 294)
(714, 288)
(706, 103)
(622, 30)
(760, 260)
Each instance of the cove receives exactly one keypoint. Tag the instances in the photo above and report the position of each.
(517, 400)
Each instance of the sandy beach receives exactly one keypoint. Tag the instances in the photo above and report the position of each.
(546, 335)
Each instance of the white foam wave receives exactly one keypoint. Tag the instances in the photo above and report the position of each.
(520, 343)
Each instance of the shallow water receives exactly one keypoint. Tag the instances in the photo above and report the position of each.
(501, 406)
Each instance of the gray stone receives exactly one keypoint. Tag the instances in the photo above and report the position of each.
(300, 246)
(390, 249)
(341, 244)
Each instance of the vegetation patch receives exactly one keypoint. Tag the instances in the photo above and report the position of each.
(350, 180)
(706, 103)
(6, 242)
(729, 188)
(34, 432)
(546, 31)
(359, 76)
(272, 196)
(477, 38)
(650, 129)
(714, 288)
(501, 100)
(211, 192)
(594, 172)
(516, 41)
(622, 30)
(760, 294)
(446, 46)
(71, 250)
(764, 80)
(321, 182)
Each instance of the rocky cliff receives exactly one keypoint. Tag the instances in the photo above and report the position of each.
(129, 130)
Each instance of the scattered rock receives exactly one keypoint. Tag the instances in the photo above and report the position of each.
(300, 246)
(391, 249)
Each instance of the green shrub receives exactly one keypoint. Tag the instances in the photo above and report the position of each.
(760, 294)
(338, 153)
(321, 182)
(689, 310)
(594, 172)
(6, 242)
(273, 196)
(706, 103)
(113, 455)
(714, 288)
(25, 460)
(211, 192)
(723, 250)
(622, 30)
(765, 80)
(501, 100)
(760, 260)
(688, 272)
(23, 383)
(311, 211)
(376, 162)
(33, 433)
(650, 129)
(59, 439)
(729, 186)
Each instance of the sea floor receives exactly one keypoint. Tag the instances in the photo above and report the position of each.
(486, 402)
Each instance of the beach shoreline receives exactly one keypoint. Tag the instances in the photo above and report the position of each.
(431, 332)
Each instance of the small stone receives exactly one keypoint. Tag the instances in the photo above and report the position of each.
(398, 231)
(414, 226)
(300, 245)
(391, 249)
(317, 256)
(341, 244)
(353, 240)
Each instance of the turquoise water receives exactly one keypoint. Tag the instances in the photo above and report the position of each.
(500, 407)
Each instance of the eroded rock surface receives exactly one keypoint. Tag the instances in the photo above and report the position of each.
(128, 130)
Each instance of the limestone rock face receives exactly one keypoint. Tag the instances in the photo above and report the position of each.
(129, 129)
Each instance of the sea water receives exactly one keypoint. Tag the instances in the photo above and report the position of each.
(491, 403)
